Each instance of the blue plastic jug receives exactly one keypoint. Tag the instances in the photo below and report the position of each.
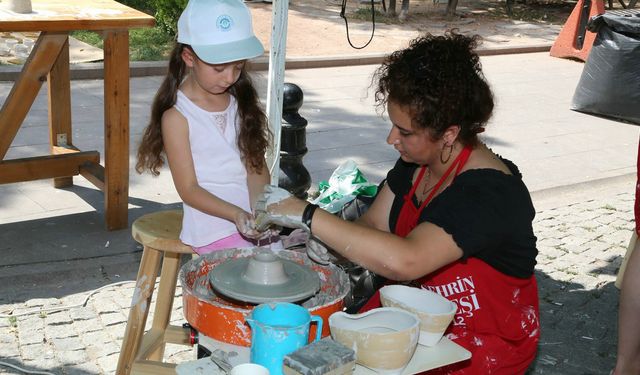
(278, 329)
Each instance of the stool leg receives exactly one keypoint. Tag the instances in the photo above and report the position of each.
(165, 297)
(145, 282)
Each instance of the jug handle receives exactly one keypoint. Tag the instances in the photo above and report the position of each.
(318, 320)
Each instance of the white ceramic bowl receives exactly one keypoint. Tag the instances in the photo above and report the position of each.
(384, 339)
(434, 311)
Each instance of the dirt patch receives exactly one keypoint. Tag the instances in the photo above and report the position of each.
(316, 29)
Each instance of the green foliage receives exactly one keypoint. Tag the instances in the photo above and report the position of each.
(141, 5)
(146, 44)
(167, 14)
(149, 44)
(89, 37)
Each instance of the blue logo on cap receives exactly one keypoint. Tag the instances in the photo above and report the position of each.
(224, 23)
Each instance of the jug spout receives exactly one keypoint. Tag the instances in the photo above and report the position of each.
(252, 323)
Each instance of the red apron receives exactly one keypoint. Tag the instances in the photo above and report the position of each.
(497, 318)
(409, 214)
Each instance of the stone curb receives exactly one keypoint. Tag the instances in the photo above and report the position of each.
(159, 68)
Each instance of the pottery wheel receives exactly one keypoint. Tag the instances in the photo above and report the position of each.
(295, 283)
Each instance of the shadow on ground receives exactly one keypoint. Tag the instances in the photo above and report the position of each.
(578, 324)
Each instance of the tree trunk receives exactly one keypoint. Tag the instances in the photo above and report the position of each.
(404, 11)
(391, 8)
(451, 8)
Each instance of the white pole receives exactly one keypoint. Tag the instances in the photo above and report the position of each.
(277, 54)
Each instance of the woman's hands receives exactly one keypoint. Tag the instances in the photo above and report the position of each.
(277, 206)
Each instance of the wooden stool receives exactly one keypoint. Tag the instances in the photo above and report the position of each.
(142, 353)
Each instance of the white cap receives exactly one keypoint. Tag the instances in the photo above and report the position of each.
(219, 31)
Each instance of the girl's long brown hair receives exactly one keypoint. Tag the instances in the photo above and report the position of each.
(254, 134)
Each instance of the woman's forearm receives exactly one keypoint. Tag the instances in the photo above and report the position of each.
(256, 180)
(384, 253)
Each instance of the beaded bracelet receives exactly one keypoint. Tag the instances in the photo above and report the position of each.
(307, 214)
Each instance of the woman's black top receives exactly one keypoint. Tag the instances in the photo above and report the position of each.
(488, 213)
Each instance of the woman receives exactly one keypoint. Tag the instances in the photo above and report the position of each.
(628, 358)
(451, 215)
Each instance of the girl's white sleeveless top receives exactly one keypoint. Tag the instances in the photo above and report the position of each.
(219, 169)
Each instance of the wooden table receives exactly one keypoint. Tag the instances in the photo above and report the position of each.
(49, 61)
(425, 358)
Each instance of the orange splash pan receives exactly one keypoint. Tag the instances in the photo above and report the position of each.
(223, 319)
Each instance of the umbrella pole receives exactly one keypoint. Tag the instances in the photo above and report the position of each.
(275, 82)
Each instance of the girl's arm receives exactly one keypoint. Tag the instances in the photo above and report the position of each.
(175, 135)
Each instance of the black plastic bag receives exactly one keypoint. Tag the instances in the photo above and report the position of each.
(610, 81)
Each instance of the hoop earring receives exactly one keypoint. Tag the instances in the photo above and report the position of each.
(442, 160)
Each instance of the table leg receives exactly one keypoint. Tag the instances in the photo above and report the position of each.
(59, 93)
(26, 88)
(116, 127)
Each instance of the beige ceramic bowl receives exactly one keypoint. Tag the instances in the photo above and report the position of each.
(384, 339)
(434, 311)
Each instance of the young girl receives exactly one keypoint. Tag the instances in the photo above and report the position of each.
(207, 119)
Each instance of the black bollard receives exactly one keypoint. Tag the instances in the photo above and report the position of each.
(293, 177)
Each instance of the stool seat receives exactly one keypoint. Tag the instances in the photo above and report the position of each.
(142, 353)
(161, 231)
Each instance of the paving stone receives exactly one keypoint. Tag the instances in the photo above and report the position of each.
(83, 368)
(103, 350)
(34, 351)
(89, 325)
(105, 305)
(109, 319)
(7, 338)
(82, 313)
(58, 318)
(108, 363)
(549, 242)
(31, 322)
(551, 251)
(95, 338)
(117, 331)
(68, 343)
(59, 332)
(31, 336)
(71, 357)
(42, 302)
(41, 364)
(9, 350)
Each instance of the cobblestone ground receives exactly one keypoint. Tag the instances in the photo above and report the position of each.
(581, 242)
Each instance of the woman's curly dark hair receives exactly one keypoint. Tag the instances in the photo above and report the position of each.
(440, 79)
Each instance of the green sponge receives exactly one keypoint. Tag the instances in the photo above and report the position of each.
(324, 357)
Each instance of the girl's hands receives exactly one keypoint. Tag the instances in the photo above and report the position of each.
(246, 225)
